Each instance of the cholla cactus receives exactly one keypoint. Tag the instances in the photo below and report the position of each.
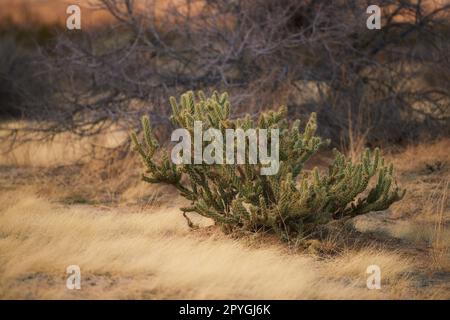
(294, 202)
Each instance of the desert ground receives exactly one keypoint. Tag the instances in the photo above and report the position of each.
(131, 241)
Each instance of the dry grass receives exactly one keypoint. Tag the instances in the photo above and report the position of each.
(139, 245)
(62, 149)
(441, 240)
(157, 256)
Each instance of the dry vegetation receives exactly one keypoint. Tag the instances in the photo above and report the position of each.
(136, 244)
(70, 190)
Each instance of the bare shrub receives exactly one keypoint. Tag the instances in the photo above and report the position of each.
(261, 51)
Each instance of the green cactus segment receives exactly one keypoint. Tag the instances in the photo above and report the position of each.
(292, 203)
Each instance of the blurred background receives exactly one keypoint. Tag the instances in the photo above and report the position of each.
(383, 87)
